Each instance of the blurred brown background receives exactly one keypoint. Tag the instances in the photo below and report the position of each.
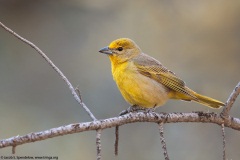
(198, 40)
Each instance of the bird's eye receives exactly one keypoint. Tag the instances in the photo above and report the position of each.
(120, 49)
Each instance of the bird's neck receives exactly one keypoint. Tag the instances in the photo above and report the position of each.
(116, 60)
(118, 63)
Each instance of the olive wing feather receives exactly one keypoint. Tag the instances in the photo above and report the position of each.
(151, 68)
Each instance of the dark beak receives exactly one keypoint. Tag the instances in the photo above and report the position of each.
(105, 50)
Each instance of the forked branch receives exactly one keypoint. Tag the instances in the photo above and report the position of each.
(232, 98)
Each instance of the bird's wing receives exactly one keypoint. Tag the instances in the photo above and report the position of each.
(151, 68)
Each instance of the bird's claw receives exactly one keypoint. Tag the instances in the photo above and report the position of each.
(150, 110)
(136, 108)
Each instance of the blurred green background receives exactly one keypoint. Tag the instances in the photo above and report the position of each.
(198, 40)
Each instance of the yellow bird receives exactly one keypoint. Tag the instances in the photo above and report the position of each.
(145, 82)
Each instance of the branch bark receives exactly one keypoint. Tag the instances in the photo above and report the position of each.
(116, 140)
(98, 144)
(121, 120)
(164, 146)
(224, 142)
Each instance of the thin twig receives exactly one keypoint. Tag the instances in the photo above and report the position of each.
(116, 140)
(98, 143)
(53, 66)
(13, 149)
(98, 132)
(224, 141)
(230, 101)
(164, 146)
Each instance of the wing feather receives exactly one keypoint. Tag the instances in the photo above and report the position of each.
(150, 67)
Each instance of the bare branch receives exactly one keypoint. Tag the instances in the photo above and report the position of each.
(164, 146)
(230, 101)
(116, 140)
(53, 66)
(13, 149)
(78, 92)
(117, 121)
(98, 132)
(224, 141)
(98, 143)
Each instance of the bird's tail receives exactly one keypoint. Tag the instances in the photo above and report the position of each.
(207, 101)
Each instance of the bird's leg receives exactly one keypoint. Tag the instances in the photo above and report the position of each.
(125, 111)
(150, 110)
(136, 108)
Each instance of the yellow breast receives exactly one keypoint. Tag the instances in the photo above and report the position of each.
(136, 88)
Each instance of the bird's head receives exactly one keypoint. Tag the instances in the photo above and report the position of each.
(121, 50)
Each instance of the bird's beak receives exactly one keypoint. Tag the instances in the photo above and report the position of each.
(106, 50)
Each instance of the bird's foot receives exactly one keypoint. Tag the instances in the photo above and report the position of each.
(150, 110)
(135, 108)
(124, 112)
(130, 109)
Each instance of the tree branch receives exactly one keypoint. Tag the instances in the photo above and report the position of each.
(224, 141)
(77, 97)
(164, 146)
(98, 144)
(117, 121)
(53, 66)
(230, 101)
(116, 140)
